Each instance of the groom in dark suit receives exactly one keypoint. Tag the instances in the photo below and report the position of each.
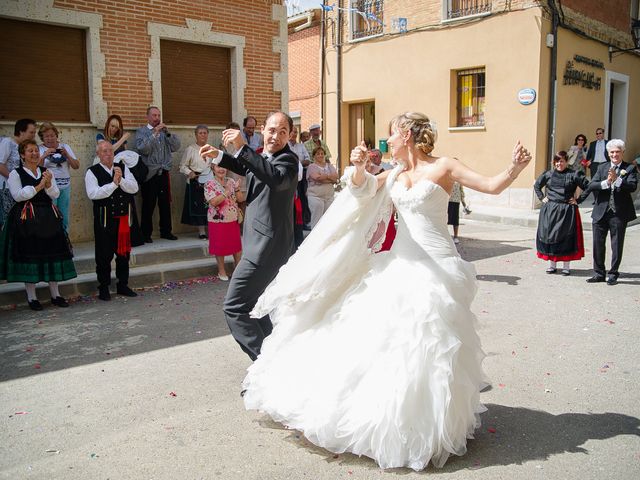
(267, 241)
(612, 185)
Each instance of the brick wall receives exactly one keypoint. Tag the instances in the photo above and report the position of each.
(304, 75)
(613, 13)
(126, 45)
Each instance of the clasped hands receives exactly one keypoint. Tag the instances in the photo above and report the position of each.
(229, 137)
(45, 180)
(117, 175)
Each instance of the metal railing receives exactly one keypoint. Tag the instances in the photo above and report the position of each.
(465, 8)
(367, 18)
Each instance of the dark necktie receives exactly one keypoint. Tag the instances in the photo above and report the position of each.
(612, 204)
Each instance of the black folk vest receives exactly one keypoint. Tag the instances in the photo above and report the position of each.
(118, 203)
(27, 180)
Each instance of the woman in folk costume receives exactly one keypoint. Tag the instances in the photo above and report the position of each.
(34, 246)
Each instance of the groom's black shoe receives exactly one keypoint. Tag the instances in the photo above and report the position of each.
(243, 392)
(612, 279)
(595, 279)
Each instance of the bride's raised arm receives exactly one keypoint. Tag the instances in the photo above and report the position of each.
(359, 160)
(493, 185)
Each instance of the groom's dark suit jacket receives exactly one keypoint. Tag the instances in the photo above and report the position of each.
(271, 183)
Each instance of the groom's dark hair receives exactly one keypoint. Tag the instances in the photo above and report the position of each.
(271, 114)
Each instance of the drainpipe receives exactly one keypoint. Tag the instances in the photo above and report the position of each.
(553, 84)
(339, 86)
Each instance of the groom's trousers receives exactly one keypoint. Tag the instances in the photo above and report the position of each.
(248, 282)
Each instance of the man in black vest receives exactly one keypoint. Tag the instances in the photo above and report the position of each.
(612, 185)
(111, 187)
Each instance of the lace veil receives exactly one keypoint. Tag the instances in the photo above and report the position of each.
(335, 255)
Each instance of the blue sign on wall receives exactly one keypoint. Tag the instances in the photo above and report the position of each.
(527, 96)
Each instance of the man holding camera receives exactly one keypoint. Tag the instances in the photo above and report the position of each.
(155, 144)
(111, 187)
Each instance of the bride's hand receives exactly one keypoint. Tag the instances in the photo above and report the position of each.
(359, 156)
(208, 152)
(521, 156)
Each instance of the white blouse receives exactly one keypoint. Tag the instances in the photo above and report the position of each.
(21, 194)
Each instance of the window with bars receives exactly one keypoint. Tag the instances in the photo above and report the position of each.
(466, 8)
(471, 97)
(367, 18)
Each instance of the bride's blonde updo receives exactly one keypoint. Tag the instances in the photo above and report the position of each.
(422, 130)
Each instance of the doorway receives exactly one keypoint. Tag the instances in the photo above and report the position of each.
(362, 124)
(616, 98)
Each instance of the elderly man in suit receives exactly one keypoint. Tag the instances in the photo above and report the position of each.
(268, 243)
(612, 185)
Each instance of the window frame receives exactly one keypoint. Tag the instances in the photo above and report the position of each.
(446, 9)
(476, 102)
(355, 18)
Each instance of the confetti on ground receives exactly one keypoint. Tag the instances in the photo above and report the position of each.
(21, 413)
(29, 349)
(491, 430)
(173, 394)
(546, 390)
(37, 366)
(501, 385)
(52, 451)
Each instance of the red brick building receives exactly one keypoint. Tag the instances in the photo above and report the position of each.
(305, 50)
(200, 61)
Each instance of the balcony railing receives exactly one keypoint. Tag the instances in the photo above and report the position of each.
(366, 18)
(466, 8)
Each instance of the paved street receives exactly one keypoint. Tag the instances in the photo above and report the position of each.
(148, 388)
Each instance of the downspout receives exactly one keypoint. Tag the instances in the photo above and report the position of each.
(339, 87)
(553, 84)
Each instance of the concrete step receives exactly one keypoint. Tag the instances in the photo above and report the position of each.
(151, 264)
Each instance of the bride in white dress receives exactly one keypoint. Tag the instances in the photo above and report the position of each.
(377, 354)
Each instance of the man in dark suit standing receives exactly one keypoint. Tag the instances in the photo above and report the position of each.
(597, 153)
(267, 241)
(612, 185)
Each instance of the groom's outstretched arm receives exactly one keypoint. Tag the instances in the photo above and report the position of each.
(279, 173)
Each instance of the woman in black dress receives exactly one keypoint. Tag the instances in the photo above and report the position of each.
(34, 246)
(559, 236)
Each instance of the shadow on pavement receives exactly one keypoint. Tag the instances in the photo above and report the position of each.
(625, 278)
(472, 249)
(508, 279)
(92, 331)
(521, 435)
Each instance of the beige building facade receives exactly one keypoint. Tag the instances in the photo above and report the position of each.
(482, 71)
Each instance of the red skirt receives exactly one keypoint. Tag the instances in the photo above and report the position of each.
(573, 256)
(224, 238)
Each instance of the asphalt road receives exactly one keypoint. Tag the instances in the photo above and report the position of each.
(148, 388)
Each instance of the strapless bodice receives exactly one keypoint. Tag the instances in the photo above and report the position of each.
(422, 220)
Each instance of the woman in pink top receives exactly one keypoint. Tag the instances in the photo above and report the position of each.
(223, 194)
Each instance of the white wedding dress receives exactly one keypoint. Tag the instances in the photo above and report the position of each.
(374, 354)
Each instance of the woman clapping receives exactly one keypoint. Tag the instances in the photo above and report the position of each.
(34, 246)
